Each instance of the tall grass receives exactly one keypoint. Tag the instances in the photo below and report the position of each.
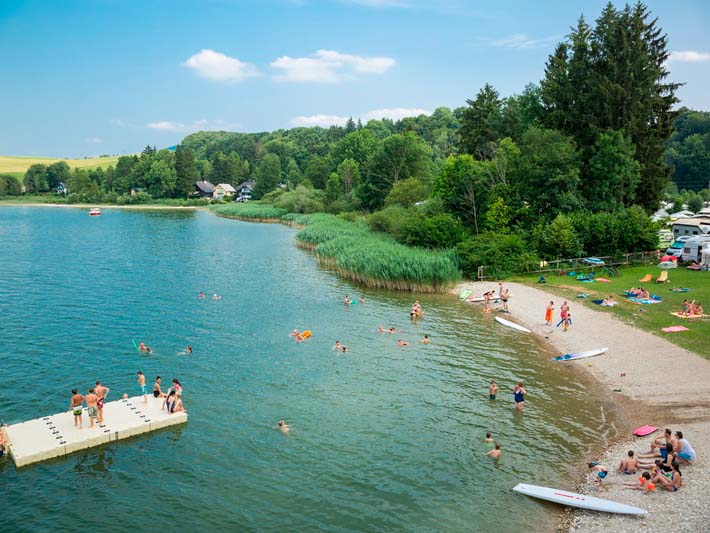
(357, 254)
(250, 211)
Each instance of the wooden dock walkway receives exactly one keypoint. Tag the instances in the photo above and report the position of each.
(54, 436)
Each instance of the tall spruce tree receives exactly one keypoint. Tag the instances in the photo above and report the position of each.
(185, 170)
(481, 124)
(613, 77)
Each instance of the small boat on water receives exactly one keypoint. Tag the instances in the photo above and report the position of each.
(95, 212)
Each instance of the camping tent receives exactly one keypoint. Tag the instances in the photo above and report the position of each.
(705, 258)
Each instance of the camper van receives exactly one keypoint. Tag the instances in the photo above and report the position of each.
(693, 248)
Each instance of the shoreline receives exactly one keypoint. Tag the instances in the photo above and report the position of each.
(663, 385)
(102, 206)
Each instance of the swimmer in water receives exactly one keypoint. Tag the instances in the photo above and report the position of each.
(362, 299)
(493, 390)
(294, 333)
(216, 297)
(201, 295)
(402, 343)
(495, 452)
(392, 330)
(337, 346)
(283, 427)
(426, 340)
(347, 300)
(143, 348)
(188, 349)
(489, 441)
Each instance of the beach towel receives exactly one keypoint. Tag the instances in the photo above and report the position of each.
(582, 295)
(644, 301)
(604, 280)
(679, 314)
(679, 289)
(672, 329)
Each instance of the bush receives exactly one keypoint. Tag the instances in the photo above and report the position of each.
(438, 231)
(406, 193)
(391, 220)
(250, 211)
(504, 254)
(300, 200)
(623, 231)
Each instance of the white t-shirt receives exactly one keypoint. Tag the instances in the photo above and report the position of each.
(687, 449)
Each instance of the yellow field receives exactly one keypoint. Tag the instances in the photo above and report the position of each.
(19, 165)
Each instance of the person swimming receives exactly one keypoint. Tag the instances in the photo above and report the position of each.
(143, 348)
(361, 300)
(201, 295)
(188, 349)
(294, 333)
(493, 390)
(283, 427)
(426, 340)
(402, 343)
(216, 297)
(347, 300)
(495, 452)
(488, 441)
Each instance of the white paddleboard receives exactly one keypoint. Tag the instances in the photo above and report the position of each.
(476, 299)
(572, 499)
(512, 325)
(580, 355)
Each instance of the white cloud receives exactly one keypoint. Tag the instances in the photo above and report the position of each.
(523, 41)
(216, 66)
(395, 113)
(328, 66)
(197, 125)
(325, 121)
(689, 56)
(93, 140)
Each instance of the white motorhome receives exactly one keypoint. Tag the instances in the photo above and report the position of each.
(693, 248)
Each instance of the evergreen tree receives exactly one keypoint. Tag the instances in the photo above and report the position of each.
(186, 173)
(481, 123)
(268, 174)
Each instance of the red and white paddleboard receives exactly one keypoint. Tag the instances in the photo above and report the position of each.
(572, 499)
(644, 430)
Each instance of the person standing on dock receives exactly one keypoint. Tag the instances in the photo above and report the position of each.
(141, 386)
(75, 406)
(101, 392)
(91, 403)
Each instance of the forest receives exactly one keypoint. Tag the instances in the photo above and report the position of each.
(571, 165)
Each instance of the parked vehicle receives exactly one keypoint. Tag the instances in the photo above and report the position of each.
(675, 249)
(693, 248)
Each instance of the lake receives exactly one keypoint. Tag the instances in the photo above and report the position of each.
(383, 438)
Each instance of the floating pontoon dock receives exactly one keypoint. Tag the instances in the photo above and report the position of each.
(54, 436)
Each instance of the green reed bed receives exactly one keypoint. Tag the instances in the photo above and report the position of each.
(251, 212)
(357, 254)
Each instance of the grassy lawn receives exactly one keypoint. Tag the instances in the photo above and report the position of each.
(18, 165)
(648, 317)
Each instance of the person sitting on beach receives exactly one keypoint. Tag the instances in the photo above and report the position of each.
(177, 387)
(673, 482)
(644, 484)
(600, 473)
(426, 340)
(169, 401)
(609, 302)
(495, 452)
(685, 453)
(177, 406)
(643, 294)
(347, 300)
(697, 309)
(283, 427)
(401, 343)
(667, 454)
(629, 465)
(633, 292)
(659, 444)
(686, 308)
(143, 348)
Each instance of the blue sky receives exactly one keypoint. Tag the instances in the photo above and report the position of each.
(84, 77)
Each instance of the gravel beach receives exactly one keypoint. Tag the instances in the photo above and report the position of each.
(653, 382)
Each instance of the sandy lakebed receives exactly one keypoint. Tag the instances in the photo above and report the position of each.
(652, 381)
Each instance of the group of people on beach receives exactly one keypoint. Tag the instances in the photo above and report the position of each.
(661, 465)
(565, 315)
(172, 398)
(692, 308)
(503, 296)
(95, 399)
(639, 292)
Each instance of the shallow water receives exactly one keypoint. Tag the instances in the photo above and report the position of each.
(384, 438)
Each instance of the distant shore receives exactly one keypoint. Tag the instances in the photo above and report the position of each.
(101, 206)
(662, 384)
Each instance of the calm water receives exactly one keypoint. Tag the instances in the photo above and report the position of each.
(384, 438)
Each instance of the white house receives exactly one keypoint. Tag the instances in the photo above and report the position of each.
(223, 190)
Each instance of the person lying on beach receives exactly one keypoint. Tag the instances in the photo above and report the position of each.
(495, 452)
(599, 474)
(629, 465)
(673, 482)
(283, 427)
(609, 302)
(426, 340)
(634, 292)
(644, 484)
(685, 453)
(402, 343)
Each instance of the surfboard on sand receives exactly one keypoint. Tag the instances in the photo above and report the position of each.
(644, 430)
(580, 355)
(512, 325)
(572, 499)
(465, 294)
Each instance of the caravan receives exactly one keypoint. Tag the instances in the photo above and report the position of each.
(693, 248)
